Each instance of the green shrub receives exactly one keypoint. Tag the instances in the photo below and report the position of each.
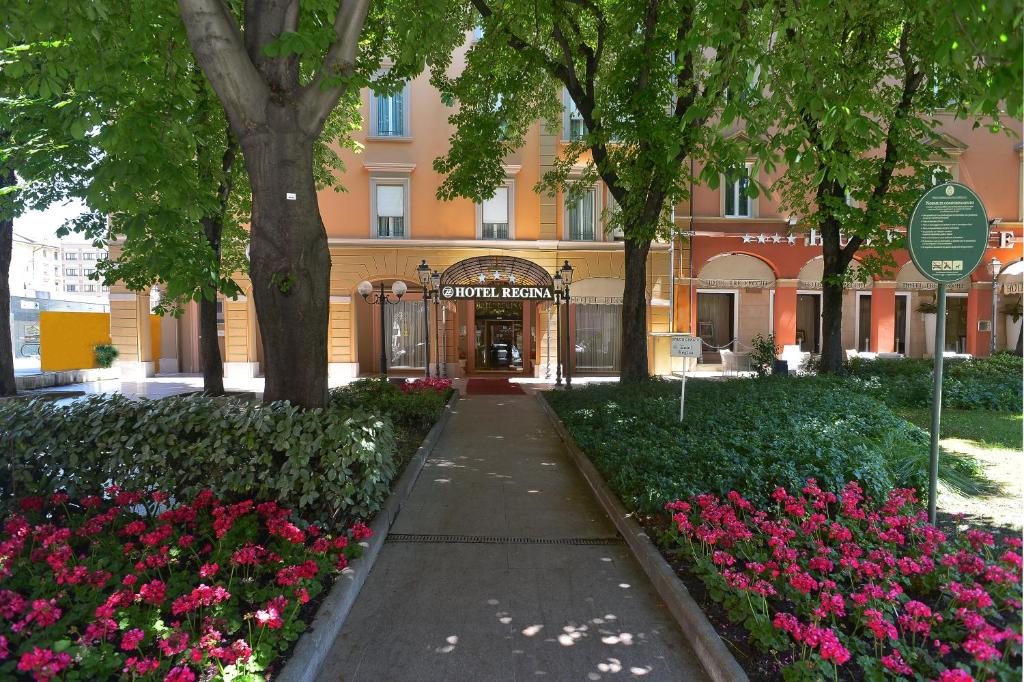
(105, 354)
(412, 413)
(763, 352)
(327, 464)
(978, 383)
(743, 435)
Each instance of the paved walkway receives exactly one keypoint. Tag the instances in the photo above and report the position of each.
(481, 608)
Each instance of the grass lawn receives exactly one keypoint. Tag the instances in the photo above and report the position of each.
(985, 428)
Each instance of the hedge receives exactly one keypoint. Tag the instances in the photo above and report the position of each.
(328, 464)
(992, 383)
(745, 435)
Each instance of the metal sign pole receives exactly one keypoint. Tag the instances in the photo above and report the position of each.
(940, 347)
(682, 392)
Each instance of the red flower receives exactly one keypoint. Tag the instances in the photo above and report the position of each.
(131, 639)
(153, 592)
(44, 664)
(180, 674)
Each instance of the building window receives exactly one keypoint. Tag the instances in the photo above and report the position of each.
(573, 127)
(389, 210)
(88, 256)
(100, 255)
(406, 340)
(71, 272)
(88, 271)
(598, 337)
(390, 114)
(737, 203)
(943, 173)
(581, 217)
(495, 214)
(71, 287)
(70, 256)
(89, 287)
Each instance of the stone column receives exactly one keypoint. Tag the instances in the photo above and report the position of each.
(341, 360)
(883, 317)
(785, 312)
(131, 333)
(979, 299)
(241, 359)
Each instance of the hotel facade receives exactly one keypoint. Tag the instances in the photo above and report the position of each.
(736, 269)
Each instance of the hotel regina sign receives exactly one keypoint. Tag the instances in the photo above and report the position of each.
(498, 292)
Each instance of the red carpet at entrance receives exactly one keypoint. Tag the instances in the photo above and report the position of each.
(492, 387)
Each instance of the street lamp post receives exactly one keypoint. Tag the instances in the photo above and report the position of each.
(994, 266)
(423, 272)
(380, 298)
(566, 273)
(435, 283)
(557, 280)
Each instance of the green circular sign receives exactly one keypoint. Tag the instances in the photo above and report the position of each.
(948, 233)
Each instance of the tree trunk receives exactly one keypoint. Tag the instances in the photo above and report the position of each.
(831, 328)
(7, 383)
(209, 348)
(290, 264)
(633, 358)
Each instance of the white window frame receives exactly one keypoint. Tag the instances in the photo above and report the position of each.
(71, 288)
(567, 105)
(735, 311)
(407, 218)
(751, 201)
(71, 272)
(598, 224)
(821, 317)
(510, 185)
(373, 134)
(71, 255)
(858, 295)
(952, 167)
(906, 322)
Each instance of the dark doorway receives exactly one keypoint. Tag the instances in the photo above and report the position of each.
(499, 335)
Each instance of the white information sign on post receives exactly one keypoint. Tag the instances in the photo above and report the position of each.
(684, 347)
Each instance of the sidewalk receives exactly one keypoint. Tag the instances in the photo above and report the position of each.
(564, 601)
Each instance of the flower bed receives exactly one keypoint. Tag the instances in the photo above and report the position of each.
(849, 588)
(135, 586)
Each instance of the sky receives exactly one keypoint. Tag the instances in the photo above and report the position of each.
(42, 225)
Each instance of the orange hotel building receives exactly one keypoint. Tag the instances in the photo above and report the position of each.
(739, 272)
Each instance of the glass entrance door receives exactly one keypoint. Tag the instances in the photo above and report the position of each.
(499, 335)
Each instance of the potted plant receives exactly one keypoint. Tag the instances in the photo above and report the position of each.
(105, 354)
(928, 309)
(1014, 319)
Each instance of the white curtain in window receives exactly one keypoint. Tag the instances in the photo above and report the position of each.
(390, 114)
(581, 217)
(406, 343)
(495, 209)
(598, 337)
(390, 201)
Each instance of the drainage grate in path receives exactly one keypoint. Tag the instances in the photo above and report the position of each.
(497, 540)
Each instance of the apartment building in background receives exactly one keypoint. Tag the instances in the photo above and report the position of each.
(739, 270)
(78, 261)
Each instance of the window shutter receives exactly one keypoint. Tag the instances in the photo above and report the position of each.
(495, 209)
(390, 201)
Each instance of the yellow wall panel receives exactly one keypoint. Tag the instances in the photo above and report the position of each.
(67, 339)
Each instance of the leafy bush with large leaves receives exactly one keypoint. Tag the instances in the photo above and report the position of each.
(744, 435)
(992, 383)
(327, 464)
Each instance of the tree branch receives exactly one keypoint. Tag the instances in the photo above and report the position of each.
(321, 95)
(217, 44)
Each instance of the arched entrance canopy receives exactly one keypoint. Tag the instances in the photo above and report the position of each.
(486, 269)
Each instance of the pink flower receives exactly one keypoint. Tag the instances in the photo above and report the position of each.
(895, 663)
(270, 616)
(204, 595)
(955, 675)
(5, 651)
(44, 664)
(174, 643)
(131, 639)
(180, 674)
(360, 531)
(153, 592)
(208, 570)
